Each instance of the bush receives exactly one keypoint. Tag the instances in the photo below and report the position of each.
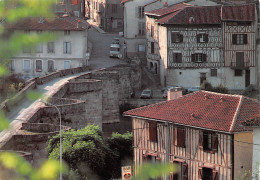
(206, 86)
(221, 89)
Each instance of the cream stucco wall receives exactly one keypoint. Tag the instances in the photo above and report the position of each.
(243, 151)
(78, 40)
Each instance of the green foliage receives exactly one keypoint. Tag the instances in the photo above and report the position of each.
(88, 153)
(219, 88)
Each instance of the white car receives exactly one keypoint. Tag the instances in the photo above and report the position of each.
(115, 51)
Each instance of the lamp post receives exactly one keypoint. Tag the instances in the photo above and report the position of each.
(59, 113)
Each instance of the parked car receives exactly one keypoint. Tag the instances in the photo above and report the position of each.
(116, 41)
(193, 89)
(146, 94)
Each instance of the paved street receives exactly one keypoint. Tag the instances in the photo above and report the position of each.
(100, 50)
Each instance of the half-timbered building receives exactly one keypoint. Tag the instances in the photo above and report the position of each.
(213, 43)
(201, 132)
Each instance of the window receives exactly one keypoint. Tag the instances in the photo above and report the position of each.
(207, 174)
(38, 67)
(176, 37)
(76, 13)
(152, 47)
(182, 174)
(141, 48)
(67, 32)
(66, 64)
(140, 11)
(239, 39)
(240, 59)
(214, 72)
(39, 48)
(238, 72)
(50, 66)
(177, 58)
(152, 131)
(198, 57)
(50, 47)
(66, 48)
(179, 137)
(114, 8)
(141, 28)
(202, 38)
(26, 65)
(12, 65)
(75, 2)
(152, 31)
(208, 141)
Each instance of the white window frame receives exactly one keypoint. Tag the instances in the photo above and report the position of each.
(27, 70)
(36, 65)
(64, 64)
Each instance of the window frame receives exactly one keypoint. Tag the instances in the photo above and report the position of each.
(29, 69)
(140, 11)
(39, 48)
(176, 37)
(66, 32)
(41, 64)
(141, 28)
(202, 38)
(195, 56)
(238, 72)
(213, 138)
(152, 47)
(64, 64)
(180, 137)
(178, 57)
(152, 131)
(50, 50)
(66, 50)
(213, 72)
(48, 69)
(239, 39)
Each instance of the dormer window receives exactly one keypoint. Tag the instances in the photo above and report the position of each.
(202, 38)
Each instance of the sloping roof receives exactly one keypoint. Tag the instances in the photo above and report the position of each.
(124, 1)
(194, 15)
(255, 122)
(202, 109)
(169, 9)
(239, 12)
(58, 23)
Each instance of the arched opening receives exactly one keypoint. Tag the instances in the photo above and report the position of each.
(151, 65)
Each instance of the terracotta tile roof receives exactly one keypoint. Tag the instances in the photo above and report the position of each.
(239, 12)
(194, 15)
(59, 23)
(124, 1)
(202, 109)
(255, 122)
(169, 9)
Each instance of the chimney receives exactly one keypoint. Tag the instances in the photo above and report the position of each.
(174, 93)
(165, 4)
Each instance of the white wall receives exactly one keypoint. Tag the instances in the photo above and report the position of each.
(256, 153)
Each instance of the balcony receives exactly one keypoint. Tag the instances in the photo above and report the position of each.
(239, 65)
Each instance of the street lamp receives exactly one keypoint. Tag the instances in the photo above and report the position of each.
(59, 113)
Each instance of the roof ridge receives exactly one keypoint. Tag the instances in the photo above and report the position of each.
(236, 114)
(217, 93)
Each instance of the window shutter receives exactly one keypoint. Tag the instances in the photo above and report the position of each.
(181, 137)
(204, 57)
(181, 38)
(193, 57)
(245, 38)
(185, 171)
(234, 39)
(201, 139)
(214, 175)
(200, 173)
(153, 131)
(206, 38)
(198, 38)
(173, 37)
(214, 142)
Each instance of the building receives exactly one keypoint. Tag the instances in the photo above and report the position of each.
(212, 43)
(255, 124)
(71, 7)
(201, 132)
(108, 14)
(68, 50)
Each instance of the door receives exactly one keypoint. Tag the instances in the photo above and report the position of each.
(66, 64)
(247, 78)
(240, 59)
(202, 77)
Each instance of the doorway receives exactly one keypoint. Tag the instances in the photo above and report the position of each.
(247, 78)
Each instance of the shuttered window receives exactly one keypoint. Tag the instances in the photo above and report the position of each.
(176, 37)
(179, 137)
(239, 39)
(152, 131)
(66, 48)
(177, 58)
(198, 57)
(208, 141)
(141, 28)
(207, 174)
(182, 173)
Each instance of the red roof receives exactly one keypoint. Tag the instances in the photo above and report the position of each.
(202, 109)
(194, 15)
(169, 9)
(239, 12)
(124, 1)
(59, 23)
